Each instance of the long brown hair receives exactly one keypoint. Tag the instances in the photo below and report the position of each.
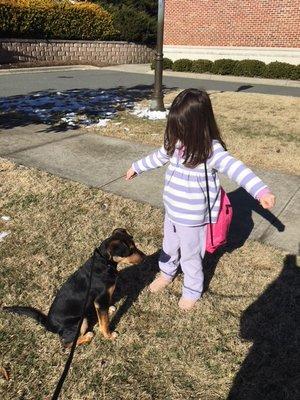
(192, 122)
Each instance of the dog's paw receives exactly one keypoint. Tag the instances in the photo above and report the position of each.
(113, 335)
(111, 310)
(123, 264)
(89, 335)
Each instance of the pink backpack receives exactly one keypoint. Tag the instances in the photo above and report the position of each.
(216, 234)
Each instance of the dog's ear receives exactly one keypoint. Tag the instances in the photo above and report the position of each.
(122, 231)
(103, 250)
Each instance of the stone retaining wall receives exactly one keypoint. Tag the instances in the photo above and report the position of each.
(35, 50)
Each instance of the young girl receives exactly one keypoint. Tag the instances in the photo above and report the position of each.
(191, 139)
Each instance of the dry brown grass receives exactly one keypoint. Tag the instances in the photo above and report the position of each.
(262, 130)
(160, 353)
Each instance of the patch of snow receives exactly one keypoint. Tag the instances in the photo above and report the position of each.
(5, 218)
(85, 107)
(100, 124)
(3, 235)
(147, 113)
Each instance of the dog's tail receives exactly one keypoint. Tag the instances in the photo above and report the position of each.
(31, 312)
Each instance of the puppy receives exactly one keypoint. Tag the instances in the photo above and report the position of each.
(66, 310)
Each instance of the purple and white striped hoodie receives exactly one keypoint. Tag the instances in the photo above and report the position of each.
(185, 188)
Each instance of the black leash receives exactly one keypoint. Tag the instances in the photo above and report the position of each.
(70, 358)
(208, 200)
(112, 181)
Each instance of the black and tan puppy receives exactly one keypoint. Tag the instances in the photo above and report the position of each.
(67, 307)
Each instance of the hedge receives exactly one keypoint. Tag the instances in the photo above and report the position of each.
(249, 68)
(223, 66)
(283, 70)
(53, 19)
(133, 25)
(275, 70)
(182, 65)
(167, 64)
(134, 20)
(202, 66)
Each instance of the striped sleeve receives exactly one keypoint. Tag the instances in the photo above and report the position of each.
(235, 170)
(154, 160)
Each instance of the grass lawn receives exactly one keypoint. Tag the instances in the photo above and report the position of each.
(161, 353)
(262, 130)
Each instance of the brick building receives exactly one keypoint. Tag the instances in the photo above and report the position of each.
(267, 30)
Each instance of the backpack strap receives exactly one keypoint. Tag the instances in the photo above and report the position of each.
(208, 200)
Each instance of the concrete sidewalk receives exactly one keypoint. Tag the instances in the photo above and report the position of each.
(96, 161)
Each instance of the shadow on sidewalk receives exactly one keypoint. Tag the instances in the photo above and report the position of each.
(271, 370)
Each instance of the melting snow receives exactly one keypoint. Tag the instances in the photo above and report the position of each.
(100, 123)
(3, 235)
(147, 113)
(79, 107)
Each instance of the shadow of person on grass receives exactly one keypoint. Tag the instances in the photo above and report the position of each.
(271, 370)
(243, 205)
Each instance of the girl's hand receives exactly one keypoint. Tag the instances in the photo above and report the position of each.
(130, 174)
(267, 201)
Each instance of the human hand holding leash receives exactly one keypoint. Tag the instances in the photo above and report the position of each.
(267, 201)
(130, 174)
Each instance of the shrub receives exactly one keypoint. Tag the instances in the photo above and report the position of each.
(223, 66)
(281, 70)
(147, 6)
(132, 24)
(54, 20)
(182, 65)
(249, 68)
(296, 74)
(201, 66)
(167, 64)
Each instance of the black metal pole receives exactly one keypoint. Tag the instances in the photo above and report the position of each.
(157, 102)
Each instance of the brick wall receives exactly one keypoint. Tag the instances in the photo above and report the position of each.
(33, 50)
(253, 23)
